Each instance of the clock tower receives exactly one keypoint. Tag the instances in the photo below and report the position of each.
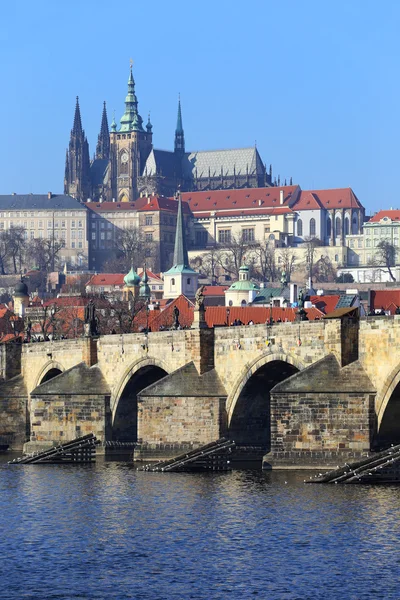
(130, 146)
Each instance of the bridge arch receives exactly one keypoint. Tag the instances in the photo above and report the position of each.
(248, 405)
(51, 369)
(387, 409)
(124, 409)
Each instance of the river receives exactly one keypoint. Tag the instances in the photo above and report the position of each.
(107, 531)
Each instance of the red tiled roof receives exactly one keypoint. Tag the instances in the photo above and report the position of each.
(394, 215)
(281, 210)
(308, 201)
(150, 274)
(107, 279)
(384, 298)
(326, 304)
(240, 199)
(160, 203)
(336, 198)
(215, 290)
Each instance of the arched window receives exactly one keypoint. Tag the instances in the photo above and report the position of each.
(188, 281)
(230, 303)
(346, 226)
(338, 226)
(354, 224)
(243, 303)
(336, 257)
(172, 282)
(299, 227)
(312, 227)
(328, 227)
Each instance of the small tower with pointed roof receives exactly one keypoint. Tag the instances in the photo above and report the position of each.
(179, 145)
(20, 298)
(144, 288)
(77, 163)
(131, 284)
(181, 278)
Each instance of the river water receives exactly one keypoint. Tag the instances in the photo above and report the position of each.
(107, 531)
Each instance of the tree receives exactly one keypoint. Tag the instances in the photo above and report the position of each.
(288, 260)
(44, 252)
(17, 243)
(324, 271)
(344, 278)
(5, 251)
(266, 262)
(233, 253)
(135, 247)
(310, 245)
(386, 254)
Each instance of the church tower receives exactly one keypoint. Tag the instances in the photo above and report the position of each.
(77, 162)
(181, 278)
(130, 146)
(103, 141)
(179, 134)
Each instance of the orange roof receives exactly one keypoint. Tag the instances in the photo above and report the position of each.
(150, 274)
(394, 215)
(247, 198)
(107, 279)
(308, 201)
(160, 203)
(326, 304)
(384, 298)
(279, 210)
(215, 290)
(336, 198)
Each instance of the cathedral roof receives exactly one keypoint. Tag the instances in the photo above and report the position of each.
(98, 170)
(250, 199)
(39, 202)
(329, 199)
(160, 162)
(211, 163)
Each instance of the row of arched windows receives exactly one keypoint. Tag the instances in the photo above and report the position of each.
(338, 227)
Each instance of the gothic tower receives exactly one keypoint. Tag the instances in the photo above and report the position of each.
(103, 141)
(130, 146)
(77, 162)
(179, 134)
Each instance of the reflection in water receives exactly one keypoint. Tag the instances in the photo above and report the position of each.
(108, 531)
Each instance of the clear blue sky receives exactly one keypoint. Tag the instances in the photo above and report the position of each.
(316, 83)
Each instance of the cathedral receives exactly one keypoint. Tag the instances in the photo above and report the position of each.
(127, 165)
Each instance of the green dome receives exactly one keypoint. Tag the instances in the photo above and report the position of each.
(132, 279)
(243, 286)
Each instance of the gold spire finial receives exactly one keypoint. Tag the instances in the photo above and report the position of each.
(131, 63)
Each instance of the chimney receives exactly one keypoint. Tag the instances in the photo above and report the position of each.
(260, 203)
(49, 195)
(149, 200)
(281, 197)
(14, 194)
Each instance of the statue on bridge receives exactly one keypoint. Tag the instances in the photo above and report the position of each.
(199, 299)
(91, 320)
(176, 324)
(301, 313)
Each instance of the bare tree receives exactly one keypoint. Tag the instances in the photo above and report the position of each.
(324, 271)
(266, 261)
(209, 263)
(17, 243)
(44, 252)
(386, 254)
(135, 248)
(233, 253)
(311, 244)
(5, 251)
(288, 261)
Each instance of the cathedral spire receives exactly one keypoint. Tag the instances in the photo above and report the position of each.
(131, 120)
(103, 142)
(179, 134)
(77, 126)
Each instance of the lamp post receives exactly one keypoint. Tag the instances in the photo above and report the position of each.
(228, 312)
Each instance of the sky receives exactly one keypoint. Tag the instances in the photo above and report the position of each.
(315, 84)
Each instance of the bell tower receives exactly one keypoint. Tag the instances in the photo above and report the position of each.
(130, 146)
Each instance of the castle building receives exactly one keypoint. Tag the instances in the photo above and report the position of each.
(126, 165)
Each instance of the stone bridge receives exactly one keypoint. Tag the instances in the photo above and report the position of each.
(308, 393)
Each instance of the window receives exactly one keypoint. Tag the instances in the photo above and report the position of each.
(80, 224)
(201, 238)
(338, 226)
(49, 225)
(149, 220)
(109, 235)
(328, 227)
(189, 281)
(147, 252)
(149, 237)
(300, 228)
(367, 231)
(56, 235)
(40, 235)
(56, 223)
(25, 235)
(73, 235)
(32, 235)
(368, 243)
(375, 243)
(109, 225)
(248, 235)
(32, 224)
(396, 241)
(267, 229)
(172, 282)
(1, 225)
(346, 226)
(243, 303)
(375, 231)
(40, 225)
(336, 257)
(73, 224)
(93, 225)
(359, 243)
(72, 244)
(224, 236)
(351, 243)
(80, 235)
(63, 235)
(93, 235)
(79, 244)
(102, 235)
(102, 225)
(312, 227)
